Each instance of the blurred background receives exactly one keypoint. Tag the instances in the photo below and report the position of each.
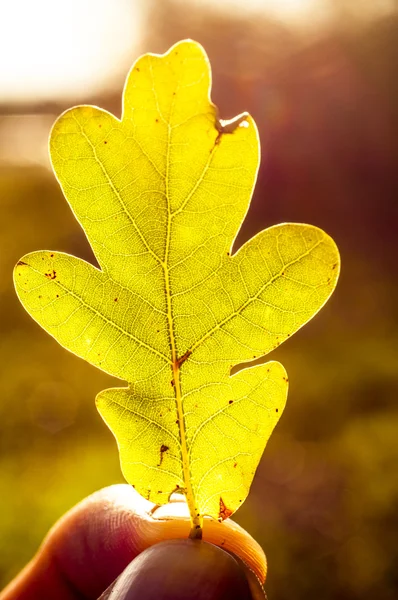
(320, 78)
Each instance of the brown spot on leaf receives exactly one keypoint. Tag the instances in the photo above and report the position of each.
(224, 512)
(20, 263)
(230, 401)
(173, 383)
(51, 255)
(334, 266)
(228, 127)
(115, 299)
(183, 358)
(235, 465)
(51, 275)
(277, 410)
(105, 142)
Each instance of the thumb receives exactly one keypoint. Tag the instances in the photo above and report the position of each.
(95, 541)
(181, 569)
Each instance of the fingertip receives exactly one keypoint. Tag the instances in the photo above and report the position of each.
(181, 569)
(97, 539)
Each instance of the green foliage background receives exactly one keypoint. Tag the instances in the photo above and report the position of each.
(324, 501)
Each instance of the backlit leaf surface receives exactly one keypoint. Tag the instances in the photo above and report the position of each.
(161, 195)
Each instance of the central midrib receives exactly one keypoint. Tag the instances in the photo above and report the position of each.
(196, 518)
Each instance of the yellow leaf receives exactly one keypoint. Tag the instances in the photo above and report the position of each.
(161, 195)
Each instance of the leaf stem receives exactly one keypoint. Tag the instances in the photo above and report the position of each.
(196, 518)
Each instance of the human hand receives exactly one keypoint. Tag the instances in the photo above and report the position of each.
(94, 542)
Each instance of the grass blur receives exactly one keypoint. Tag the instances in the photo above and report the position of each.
(324, 501)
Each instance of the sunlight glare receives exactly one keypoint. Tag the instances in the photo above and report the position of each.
(50, 49)
(307, 13)
(291, 11)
